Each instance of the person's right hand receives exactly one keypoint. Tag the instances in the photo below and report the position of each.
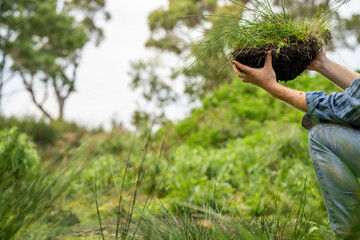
(318, 61)
(262, 77)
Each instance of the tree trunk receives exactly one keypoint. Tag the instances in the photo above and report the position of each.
(2, 79)
(62, 96)
(3, 63)
(60, 99)
(61, 109)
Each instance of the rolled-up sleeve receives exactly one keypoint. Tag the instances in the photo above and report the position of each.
(341, 108)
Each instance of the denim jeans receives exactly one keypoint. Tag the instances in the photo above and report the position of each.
(335, 152)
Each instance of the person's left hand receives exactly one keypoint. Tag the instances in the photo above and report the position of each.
(262, 77)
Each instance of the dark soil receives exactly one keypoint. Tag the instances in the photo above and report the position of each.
(289, 63)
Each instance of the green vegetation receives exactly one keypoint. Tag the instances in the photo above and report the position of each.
(239, 169)
(19, 158)
(40, 131)
(261, 26)
(32, 195)
(209, 222)
(237, 166)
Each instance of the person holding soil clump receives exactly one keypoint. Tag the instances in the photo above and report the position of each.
(334, 137)
(267, 47)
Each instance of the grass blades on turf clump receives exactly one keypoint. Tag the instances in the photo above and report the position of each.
(249, 35)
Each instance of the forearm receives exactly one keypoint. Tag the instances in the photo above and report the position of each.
(292, 97)
(337, 74)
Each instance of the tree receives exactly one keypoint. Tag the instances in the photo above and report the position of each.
(44, 43)
(171, 28)
(5, 36)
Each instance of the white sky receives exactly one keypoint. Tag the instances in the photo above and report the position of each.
(102, 86)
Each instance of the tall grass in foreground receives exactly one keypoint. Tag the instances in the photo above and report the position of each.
(30, 196)
(176, 219)
(129, 216)
(194, 222)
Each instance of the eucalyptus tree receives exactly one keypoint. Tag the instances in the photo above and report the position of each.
(42, 41)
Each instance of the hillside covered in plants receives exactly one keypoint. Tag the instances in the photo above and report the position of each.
(238, 165)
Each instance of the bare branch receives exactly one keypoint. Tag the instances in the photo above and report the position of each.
(75, 61)
(46, 94)
(56, 89)
(3, 57)
(29, 87)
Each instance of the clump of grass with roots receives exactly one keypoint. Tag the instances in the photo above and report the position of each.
(257, 29)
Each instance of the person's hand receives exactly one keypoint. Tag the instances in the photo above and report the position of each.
(318, 61)
(262, 77)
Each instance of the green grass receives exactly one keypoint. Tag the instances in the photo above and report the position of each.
(32, 195)
(177, 219)
(208, 222)
(260, 25)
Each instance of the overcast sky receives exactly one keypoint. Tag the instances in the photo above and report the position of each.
(102, 86)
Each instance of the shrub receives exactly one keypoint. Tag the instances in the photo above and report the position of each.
(18, 157)
(41, 132)
(270, 161)
(236, 109)
(30, 195)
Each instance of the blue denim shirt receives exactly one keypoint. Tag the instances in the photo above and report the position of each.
(340, 108)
